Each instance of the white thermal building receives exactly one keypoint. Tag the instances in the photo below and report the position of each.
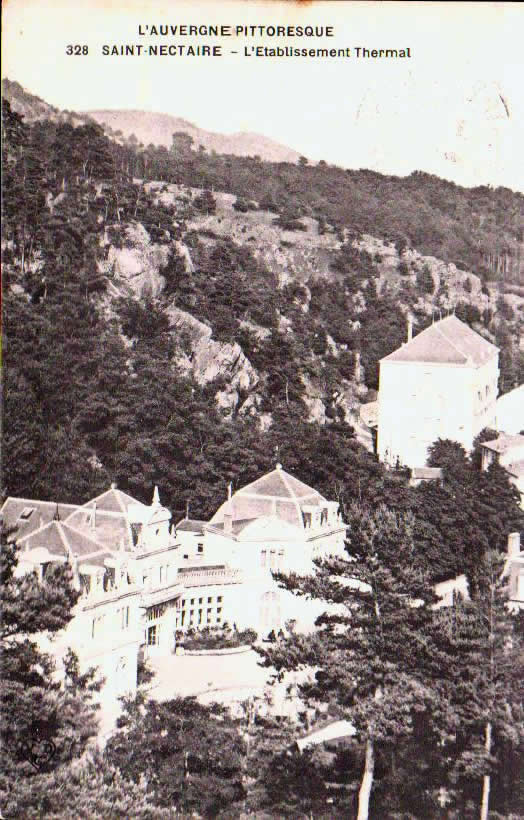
(442, 383)
(275, 523)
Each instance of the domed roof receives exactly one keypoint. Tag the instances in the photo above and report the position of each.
(276, 494)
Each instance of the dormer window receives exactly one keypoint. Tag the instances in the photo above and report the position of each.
(85, 582)
(26, 513)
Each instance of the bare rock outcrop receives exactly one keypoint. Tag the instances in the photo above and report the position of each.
(212, 359)
(207, 359)
(138, 263)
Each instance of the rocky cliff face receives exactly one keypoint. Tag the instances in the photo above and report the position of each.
(136, 269)
(136, 266)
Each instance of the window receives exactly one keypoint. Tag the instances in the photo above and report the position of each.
(152, 637)
(191, 612)
(199, 616)
(263, 558)
(26, 513)
(192, 601)
(156, 612)
(219, 599)
(186, 557)
(209, 600)
(122, 615)
(200, 600)
(183, 617)
(183, 603)
(85, 582)
(208, 615)
(200, 548)
(219, 610)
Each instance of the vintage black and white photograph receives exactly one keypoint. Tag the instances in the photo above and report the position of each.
(262, 478)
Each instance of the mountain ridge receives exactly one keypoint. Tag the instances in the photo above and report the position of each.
(149, 127)
(158, 128)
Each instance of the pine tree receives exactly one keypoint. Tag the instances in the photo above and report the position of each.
(84, 788)
(191, 756)
(372, 650)
(481, 679)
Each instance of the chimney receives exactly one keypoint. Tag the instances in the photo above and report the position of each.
(410, 328)
(93, 517)
(513, 544)
(228, 513)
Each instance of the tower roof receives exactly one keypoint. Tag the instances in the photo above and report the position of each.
(276, 494)
(448, 341)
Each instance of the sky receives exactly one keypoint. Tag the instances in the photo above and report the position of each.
(455, 108)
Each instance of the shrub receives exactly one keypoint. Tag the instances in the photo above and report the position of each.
(216, 637)
(289, 223)
(205, 202)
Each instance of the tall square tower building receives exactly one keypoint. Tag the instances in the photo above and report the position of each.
(442, 383)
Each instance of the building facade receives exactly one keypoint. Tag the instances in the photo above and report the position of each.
(510, 412)
(123, 557)
(142, 580)
(276, 523)
(442, 383)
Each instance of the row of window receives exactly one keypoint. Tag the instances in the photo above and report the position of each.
(200, 551)
(274, 559)
(191, 601)
(197, 617)
(321, 520)
(484, 394)
(155, 612)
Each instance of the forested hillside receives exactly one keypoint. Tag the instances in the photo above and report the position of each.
(187, 320)
(161, 333)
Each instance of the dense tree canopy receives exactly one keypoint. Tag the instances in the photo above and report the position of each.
(44, 719)
(190, 756)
